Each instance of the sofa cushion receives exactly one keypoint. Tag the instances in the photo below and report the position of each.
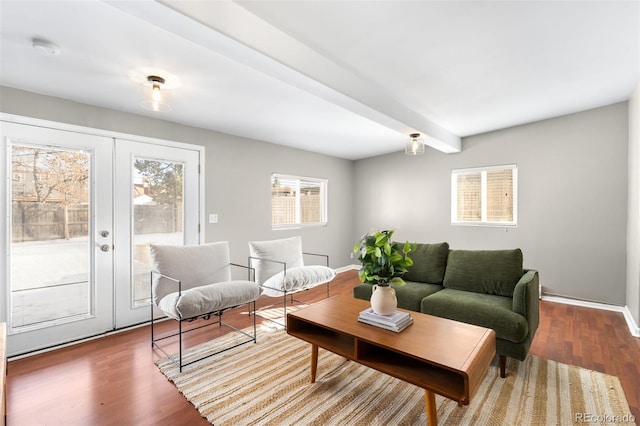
(485, 310)
(484, 271)
(408, 295)
(429, 263)
(209, 298)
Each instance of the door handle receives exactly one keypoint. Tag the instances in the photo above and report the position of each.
(105, 247)
(104, 234)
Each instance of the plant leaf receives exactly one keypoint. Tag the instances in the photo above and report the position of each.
(397, 281)
(407, 248)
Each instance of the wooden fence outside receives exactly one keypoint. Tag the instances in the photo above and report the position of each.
(46, 221)
(150, 219)
(283, 209)
(40, 222)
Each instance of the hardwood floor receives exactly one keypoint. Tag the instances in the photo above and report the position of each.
(594, 339)
(113, 380)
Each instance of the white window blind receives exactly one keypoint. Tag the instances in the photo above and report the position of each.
(484, 196)
(298, 201)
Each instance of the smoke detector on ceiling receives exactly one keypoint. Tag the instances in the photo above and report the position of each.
(45, 46)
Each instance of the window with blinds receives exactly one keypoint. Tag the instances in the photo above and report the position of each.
(484, 196)
(298, 201)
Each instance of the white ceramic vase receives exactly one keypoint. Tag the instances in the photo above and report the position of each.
(383, 300)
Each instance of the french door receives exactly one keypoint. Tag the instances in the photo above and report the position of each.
(80, 212)
(57, 236)
(154, 205)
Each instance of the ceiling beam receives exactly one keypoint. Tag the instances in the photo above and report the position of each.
(228, 29)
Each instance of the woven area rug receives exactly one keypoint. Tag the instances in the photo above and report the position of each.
(268, 384)
(276, 314)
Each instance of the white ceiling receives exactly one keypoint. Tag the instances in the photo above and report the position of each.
(343, 78)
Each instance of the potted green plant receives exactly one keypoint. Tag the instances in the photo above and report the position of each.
(383, 262)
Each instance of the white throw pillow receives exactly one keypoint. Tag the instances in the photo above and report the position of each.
(296, 279)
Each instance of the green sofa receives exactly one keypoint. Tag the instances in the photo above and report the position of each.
(488, 288)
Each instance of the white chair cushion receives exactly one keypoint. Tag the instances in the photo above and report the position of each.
(296, 279)
(192, 265)
(209, 298)
(288, 250)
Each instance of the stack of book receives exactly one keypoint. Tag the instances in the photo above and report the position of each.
(397, 322)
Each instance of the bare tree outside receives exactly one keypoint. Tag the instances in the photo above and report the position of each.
(48, 176)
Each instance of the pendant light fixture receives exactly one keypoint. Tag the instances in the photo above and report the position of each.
(155, 96)
(415, 145)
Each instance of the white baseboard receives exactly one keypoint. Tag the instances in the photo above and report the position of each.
(82, 340)
(633, 327)
(631, 323)
(347, 268)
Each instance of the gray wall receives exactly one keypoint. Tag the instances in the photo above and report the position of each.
(572, 191)
(633, 224)
(239, 190)
(237, 174)
(572, 199)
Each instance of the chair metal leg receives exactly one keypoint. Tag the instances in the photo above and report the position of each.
(151, 306)
(285, 309)
(180, 343)
(255, 334)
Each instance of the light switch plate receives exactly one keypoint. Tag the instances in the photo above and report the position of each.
(213, 218)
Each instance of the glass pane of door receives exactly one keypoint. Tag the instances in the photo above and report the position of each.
(49, 228)
(158, 217)
(157, 201)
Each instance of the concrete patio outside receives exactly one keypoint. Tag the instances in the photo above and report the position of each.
(50, 278)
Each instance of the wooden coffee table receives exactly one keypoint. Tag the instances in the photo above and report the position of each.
(443, 357)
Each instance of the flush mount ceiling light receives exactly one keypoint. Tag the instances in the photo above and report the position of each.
(46, 47)
(155, 96)
(415, 145)
(155, 87)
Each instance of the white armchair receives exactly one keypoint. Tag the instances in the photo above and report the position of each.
(280, 269)
(194, 282)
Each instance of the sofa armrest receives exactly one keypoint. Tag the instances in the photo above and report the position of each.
(525, 298)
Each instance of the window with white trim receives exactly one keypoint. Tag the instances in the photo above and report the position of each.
(485, 196)
(298, 201)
